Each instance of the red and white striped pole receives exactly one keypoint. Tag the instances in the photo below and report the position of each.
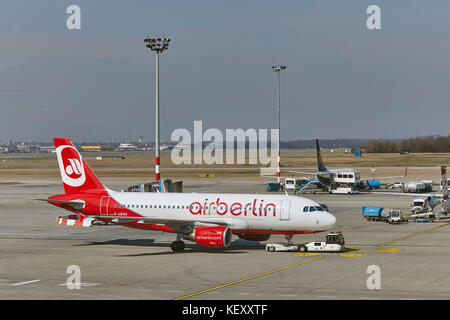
(278, 165)
(158, 45)
(157, 176)
(277, 69)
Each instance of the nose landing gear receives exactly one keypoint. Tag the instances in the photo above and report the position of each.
(288, 238)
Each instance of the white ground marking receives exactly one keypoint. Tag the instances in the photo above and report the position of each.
(25, 282)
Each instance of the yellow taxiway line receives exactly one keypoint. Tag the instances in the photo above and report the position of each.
(411, 235)
(246, 279)
(307, 261)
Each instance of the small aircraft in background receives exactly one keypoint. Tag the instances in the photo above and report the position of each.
(342, 180)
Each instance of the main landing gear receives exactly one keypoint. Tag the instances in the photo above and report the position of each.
(288, 238)
(300, 247)
(178, 245)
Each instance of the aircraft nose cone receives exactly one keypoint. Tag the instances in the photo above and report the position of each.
(330, 221)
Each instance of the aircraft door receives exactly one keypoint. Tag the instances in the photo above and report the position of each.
(104, 205)
(285, 210)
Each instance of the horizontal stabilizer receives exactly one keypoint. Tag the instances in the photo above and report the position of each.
(76, 204)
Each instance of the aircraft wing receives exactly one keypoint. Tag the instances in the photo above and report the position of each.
(436, 195)
(197, 221)
(382, 178)
(304, 172)
(76, 204)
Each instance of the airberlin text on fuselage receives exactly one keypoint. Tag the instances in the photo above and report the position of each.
(255, 208)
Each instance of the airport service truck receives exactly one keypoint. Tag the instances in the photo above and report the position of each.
(350, 189)
(419, 205)
(334, 242)
(391, 216)
(395, 216)
(370, 184)
(273, 186)
(419, 186)
(295, 183)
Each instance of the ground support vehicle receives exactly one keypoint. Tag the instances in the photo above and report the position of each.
(334, 242)
(273, 186)
(392, 216)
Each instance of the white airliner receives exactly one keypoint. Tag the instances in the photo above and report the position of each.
(209, 219)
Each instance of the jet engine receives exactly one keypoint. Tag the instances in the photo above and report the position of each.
(211, 237)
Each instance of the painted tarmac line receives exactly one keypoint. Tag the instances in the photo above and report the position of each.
(412, 235)
(246, 279)
(25, 282)
(82, 284)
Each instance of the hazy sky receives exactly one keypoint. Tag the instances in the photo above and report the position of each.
(342, 79)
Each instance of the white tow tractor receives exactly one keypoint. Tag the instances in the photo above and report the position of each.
(395, 217)
(334, 242)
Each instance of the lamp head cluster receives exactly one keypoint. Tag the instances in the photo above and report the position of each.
(157, 44)
(278, 68)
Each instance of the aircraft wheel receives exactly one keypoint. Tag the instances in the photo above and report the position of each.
(177, 246)
(302, 248)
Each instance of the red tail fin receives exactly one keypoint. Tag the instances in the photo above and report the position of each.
(76, 175)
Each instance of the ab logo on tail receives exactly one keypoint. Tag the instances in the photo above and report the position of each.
(71, 166)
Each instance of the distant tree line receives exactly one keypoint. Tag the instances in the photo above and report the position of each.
(417, 144)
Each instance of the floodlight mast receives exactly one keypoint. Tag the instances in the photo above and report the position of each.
(277, 70)
(157, 45)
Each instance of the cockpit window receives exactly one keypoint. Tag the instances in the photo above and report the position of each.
(313, 208)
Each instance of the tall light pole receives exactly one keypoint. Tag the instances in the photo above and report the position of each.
(277, 70)
(158, 45)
